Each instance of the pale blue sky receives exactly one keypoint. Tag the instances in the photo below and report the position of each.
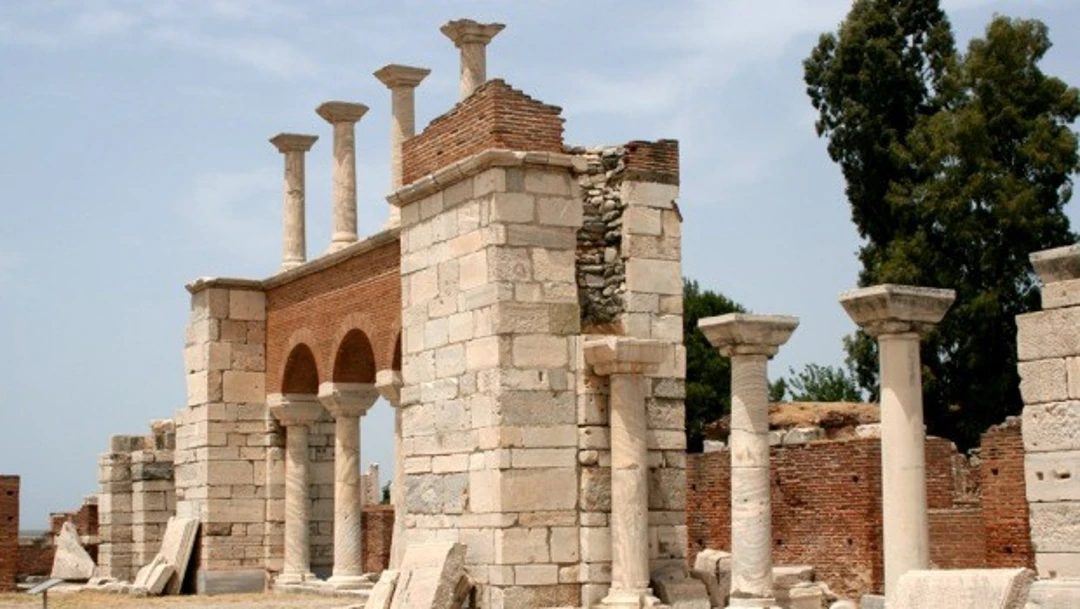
(135, 159)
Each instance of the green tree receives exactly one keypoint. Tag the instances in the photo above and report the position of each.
(817, 383)
(708, 374)
(964, 192)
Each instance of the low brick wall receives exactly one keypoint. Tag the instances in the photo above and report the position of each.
(9, 532)
(377, 523)
(36, 556)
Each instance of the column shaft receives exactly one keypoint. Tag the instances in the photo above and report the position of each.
(629, 486)
(295, 246)
(903, 458)
(344, 185)
(397, 495)
(473, 67)
(348, 508)
(402, 127)
(297, 505)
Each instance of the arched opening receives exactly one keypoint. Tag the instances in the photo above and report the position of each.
(301, 373)
(355, 359)
(396, 364)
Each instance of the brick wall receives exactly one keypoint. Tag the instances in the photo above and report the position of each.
(36, 556)
(377, 524)
(494, 116)
(1004, 501)
(958, 538)
(9, 532)
(653, 161)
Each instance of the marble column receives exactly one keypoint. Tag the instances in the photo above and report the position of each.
(293, 146)
(627, 361)
(296, 412)
(750, 340)
(898, 316)
(343, 116)
(472, 38)
(347, 402)
(389, 384)
(402, 82)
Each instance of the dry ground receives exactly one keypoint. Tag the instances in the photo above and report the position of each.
(102, 600)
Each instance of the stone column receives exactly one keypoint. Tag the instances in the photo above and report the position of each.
(402, 82)
(627, 361)
(347, 402)
(293, 146)
(343, 116)
(296, 412)
(897, 316)
(472, 38)
(389, 384)
(750, 340)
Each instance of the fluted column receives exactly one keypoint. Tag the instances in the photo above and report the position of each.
(347, 402)
(293, 146)
(472, 39)
(750, 340)
(296, 412)
(389, 384)
(627, 361)
(898, 316)
(343, 116)
(402, 82)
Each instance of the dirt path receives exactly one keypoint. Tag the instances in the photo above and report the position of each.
(100, 600)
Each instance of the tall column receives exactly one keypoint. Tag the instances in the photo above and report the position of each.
(750, 340)
(293, 146)
(472, 38)
(402, 82)
(296, 412)
(389, 384)
(898, 316)
(347, 402)
(627, 361)
(343, 116)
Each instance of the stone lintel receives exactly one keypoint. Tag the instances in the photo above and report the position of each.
(348, 399)
(1058, 264)
(897, 309)
(389, 383)
(478, 163)
(293, 142)
(205, 283)
(397, 76)
(467, 31)
(624, 355)
(294, 408)
(747, 334)
(341, 112)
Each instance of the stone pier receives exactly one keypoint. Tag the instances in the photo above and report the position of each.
(898, 316)
(296, 412)
(343, 116)
(348, 403)
(472, 38)
(402, 82)
(293, 146)
(750, 340)
(389, 384)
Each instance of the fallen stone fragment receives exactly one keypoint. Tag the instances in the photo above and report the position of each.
(71, 562)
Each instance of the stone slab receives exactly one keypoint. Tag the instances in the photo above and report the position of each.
(429, 576)
(872, 601)
(718, 564)
(176, 547)
(963, 589)
(159, 577)
(1048, 334)
(230, 582)
(790, 576)
(1052, 476)
(70, 561)
(1051, 427)
(383, 592)
(1054, 594)
(1052, 565)
(1055, 527)
(676, 589)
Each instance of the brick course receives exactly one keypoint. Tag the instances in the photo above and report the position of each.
(377, 525)
(1004, 501)
(653, 161)
(9, 532)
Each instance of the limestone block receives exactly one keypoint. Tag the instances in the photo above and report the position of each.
(872, 601)
(649, 194)
(559, 211)
(653, 276)
(1058, 564)
(552, 237)
(540, 351)
(244, 387)
(436, 493)
(536, 575)
(522, 546)
(1054, 594)
(1043, 381)
(70, 560)
(718, 564)
(1052, 476)
(429, 576)
(549, 182)
(790, 576)
(176, 547)
(1060, 294)
(383, 592)
(1048, 334)
(247, 305)
(529, 490)
(1051, 427)
(963, 589)
(512, 207)
(803, 595)
(843, 605)
(1072, 372)
(675, 588)
(802, 435)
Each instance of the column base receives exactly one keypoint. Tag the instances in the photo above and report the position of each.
(630, 598)
(348, 582)
(287, 579)
(755, 603)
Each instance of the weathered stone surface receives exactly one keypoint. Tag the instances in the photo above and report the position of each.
(383, 593)
(229, 582)
(674, 586)
(1052, 476)
(1057, 264)
(1055, 527)
(1058, 564)
(1048, 334)
(160, 574)
(1052, 427)
(872, 601)
(1054, 594)
(176, 547)
(718, 564)
(789, 576)
(1043, 381)
(1061, 294)
(429, 576)
(71, 562)
(963, 589)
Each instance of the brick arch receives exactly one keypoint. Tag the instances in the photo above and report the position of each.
(299, 370)
(354, 359)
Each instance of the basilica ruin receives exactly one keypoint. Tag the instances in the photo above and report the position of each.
(522, 312)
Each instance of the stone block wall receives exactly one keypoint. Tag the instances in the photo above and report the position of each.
(116, 551)
(153, 501)
(321, 493)
(9, 532)
(1048, 344)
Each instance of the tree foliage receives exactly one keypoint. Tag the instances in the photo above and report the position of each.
(957, 167)
(708, 374)
(817, 383)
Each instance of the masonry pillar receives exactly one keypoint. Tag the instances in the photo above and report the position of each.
(389, 384)
(626, 361)
(898, 316)
(402, 82)
(343, 116)
(347, 402)
(750, 340)
(293, 146)
(296, 412)
(472, 38)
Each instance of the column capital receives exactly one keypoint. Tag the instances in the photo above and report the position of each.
(467, 31)
(335, 112)
(294, 408)
(746, 334)
(389, 384)
(293, 142)
(397, 76)
(348, 399)
(1058, 264)
(897, 309)
(624, 355)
